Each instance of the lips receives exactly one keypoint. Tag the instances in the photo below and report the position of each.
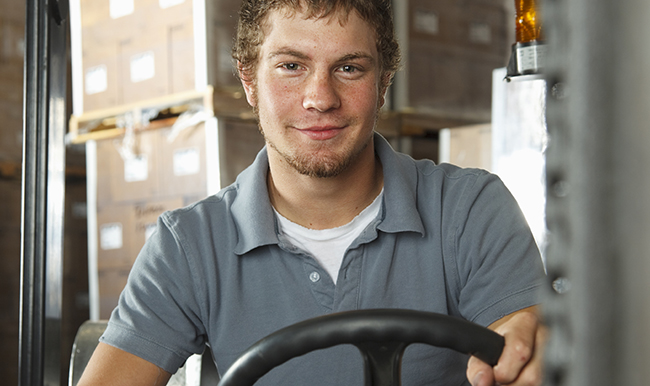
(321, 133)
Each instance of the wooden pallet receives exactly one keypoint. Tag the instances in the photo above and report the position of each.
(103, 124)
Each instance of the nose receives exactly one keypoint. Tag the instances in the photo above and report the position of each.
(320, 93)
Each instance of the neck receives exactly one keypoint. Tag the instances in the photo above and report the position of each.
(323, 203)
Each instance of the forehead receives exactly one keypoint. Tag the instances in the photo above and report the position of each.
(338, 31)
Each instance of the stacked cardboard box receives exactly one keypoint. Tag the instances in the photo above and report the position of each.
(139, 178)
(12, 42)
(452, 49)
(10, 237)
(134, 50)
(134, 186)
(129, 51)
(139, 55)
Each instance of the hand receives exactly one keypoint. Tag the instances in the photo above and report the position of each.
(521, 362)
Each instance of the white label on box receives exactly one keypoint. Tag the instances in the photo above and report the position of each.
(187, 161)
(110, 236)
(169, 3)
(119, 8)
(96, 79)
(426, 22)
(142, 67)
(136, 168)
(480, 33)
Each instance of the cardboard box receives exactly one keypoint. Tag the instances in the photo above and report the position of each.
(123, 229)
(122, 232)
(116, 239)
(111, 283)
(101, 79)
(12, 41)
(143, 68)
(182, 168)
(11, 79)
(10, 210)
(467, 146)
(162, 164)
(452, 49)
(181, 56)
(13, 10)
(128, 168)
(146, 216)
(10, 272)
(183, 162)
(221, 28)
(11, 132)
(11, 111)
(450, 82)
(153, 49)
(240, 141)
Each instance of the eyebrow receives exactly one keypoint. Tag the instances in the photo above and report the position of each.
(357, 56)
(288, 52)
(297, 54)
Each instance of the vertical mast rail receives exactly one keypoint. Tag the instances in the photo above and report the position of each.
(43, 190)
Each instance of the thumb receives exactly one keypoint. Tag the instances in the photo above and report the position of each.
(479, 373)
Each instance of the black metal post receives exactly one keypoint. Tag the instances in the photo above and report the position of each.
(43, 192)
(598, 208)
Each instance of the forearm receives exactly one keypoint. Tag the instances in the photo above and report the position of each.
(110, 366)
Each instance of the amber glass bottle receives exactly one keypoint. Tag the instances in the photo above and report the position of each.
(529, 23)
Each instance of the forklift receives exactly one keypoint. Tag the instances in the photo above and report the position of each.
(597, 212)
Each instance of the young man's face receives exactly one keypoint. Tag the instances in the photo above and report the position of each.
(317, 91)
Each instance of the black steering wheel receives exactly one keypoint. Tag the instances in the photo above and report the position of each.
(381, 335)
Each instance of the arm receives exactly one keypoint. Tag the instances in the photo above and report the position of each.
(112, 366)
(521, 361)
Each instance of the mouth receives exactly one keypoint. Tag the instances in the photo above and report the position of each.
(321, 133)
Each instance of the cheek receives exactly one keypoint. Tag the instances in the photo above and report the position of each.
(277, 96)
(363, 98)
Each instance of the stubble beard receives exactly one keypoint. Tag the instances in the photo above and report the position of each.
(319, 165)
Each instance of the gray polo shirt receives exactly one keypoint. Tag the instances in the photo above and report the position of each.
(447, 240)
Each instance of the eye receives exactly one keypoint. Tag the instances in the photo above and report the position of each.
(291, 66)
(348, 68)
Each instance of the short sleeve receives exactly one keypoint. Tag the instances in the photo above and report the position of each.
(499, 264)
(158, 314)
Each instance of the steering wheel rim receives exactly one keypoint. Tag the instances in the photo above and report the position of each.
(381, 335)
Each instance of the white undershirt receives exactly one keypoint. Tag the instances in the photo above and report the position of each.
(328, 246)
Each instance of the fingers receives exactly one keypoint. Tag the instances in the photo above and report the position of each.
(520, 333)
(521, 362)
(479, 373)
(531, 374)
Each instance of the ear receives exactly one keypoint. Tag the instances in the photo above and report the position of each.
(384, 83)
(247, 83)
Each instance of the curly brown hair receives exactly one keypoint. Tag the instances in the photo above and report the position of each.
(377, 13)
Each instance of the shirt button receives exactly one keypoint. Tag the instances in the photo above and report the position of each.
(314, 277)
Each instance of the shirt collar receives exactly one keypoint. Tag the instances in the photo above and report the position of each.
(256, 223)
(251, 209)
(400, 212)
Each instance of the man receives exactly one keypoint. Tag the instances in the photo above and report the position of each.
(329, 218)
